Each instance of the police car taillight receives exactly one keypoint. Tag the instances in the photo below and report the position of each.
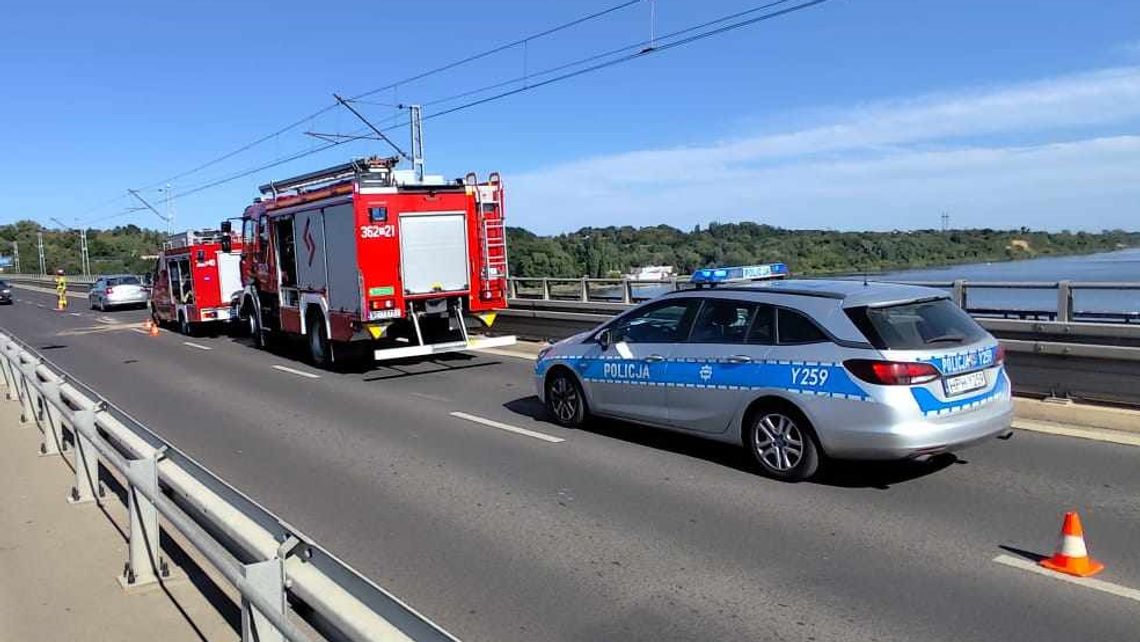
(892, 373)
(999, 358)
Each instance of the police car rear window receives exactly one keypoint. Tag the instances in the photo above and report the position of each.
(918, 325)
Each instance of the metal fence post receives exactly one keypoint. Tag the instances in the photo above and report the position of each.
(1064, 302)
(268, 579)
(28, 410)
(545, 289)
(52, 433)
(512, 289)
(959, 293)
(87, 487)
(626, 291)
(585, 296)
(144, 565)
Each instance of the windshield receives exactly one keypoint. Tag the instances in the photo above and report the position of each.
(916, 326)
(123, 280)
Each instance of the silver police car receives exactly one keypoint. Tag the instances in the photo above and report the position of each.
(792, 370)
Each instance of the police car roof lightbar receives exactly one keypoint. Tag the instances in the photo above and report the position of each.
(716, 276)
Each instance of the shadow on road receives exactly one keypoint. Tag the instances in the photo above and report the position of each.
(879, 475)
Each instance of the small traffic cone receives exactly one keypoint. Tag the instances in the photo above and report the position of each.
(154, 329)
(147, 323)
(1072, 557)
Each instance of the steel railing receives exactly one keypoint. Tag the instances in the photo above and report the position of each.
(273, 565)
(627, 292)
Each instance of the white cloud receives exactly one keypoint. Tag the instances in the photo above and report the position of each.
(885, 165)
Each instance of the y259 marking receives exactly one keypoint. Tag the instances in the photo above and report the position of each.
(810, 377)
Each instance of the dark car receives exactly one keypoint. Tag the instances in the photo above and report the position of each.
(5, 293)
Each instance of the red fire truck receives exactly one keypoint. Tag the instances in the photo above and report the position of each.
(362, 252)
(194, 280)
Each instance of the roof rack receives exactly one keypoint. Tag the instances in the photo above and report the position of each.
(375, 167)
(193, 237)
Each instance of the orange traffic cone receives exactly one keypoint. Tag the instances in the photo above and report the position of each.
(154, 329)
(147, 323)
(1072, 557)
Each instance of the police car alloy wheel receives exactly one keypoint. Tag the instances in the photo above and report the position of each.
(780, 443)
(565, 401)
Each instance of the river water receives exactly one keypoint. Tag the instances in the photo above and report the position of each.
(1112, 305)
(1123, 265)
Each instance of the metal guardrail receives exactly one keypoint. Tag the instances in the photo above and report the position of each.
(628, 292)
(280, 573)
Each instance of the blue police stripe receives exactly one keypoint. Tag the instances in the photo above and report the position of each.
(801, 377)
(931, 405)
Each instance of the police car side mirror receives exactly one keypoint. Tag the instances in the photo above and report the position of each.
(605, 339)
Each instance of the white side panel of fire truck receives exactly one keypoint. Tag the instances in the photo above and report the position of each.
(229, 275)
(340, 254)
(433, 252)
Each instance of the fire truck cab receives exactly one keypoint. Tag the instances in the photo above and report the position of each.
(361, 252)
(194, 280)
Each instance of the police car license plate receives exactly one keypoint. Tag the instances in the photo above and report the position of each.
(964, 383)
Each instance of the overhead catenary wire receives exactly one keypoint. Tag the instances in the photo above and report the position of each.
(635, 51)
(419, 76)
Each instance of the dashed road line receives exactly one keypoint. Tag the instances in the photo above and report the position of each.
(76, 314)
(139, 330)
(196, 345)
(509, 428)
(1087, 582)
(299, 373)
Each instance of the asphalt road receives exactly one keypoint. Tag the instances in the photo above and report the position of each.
(618, 532)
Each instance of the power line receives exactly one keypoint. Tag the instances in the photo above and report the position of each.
(640, 52)
(410, 79)
(637, 49)
(503, 47)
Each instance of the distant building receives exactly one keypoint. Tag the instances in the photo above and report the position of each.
(652, 273)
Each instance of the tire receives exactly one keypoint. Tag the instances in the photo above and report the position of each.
(320, 348)
(565, 401)
(782, 442)
(184, 326)
(256, 332)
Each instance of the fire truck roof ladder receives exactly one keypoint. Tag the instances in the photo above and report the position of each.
(493, 237)
(192, 237)
(330, 175)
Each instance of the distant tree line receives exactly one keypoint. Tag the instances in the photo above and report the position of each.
(116, 250)
(609, 251)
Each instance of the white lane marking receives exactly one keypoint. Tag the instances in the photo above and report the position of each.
(1080, 432)
(106, 320)
(76, 314)
(1088, 582)
(507, 427)
(431, 397)
(139, 330)
(299, 373)
(196, 345)
(40, 305)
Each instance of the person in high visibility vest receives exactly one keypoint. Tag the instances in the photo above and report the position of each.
(61, 289)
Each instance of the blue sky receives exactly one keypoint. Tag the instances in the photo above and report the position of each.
(853, 114)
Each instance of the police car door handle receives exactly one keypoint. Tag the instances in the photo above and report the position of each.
(654, 358)
(740, 358)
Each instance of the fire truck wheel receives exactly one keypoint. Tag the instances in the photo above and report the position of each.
(255, 331)
(184, 326)
(320, 351)
(564, 399)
